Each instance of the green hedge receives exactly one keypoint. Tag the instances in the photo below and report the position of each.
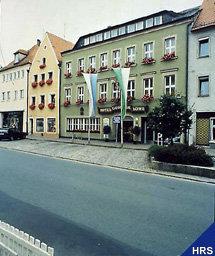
(180, 154)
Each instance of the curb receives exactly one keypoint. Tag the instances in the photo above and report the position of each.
(152, 172)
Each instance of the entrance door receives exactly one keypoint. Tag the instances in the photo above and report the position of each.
(127, 130)
(31, 126)
(146, 133)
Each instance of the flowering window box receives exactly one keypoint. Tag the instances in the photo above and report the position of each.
(34, 84)
(130, 98)
(79, 102)
(169, 56)
(49, 81)
(67, 74)
(51, 105)
(102, 100)
(41, 83)
(147, 98)
(129, 64)
(42, 66)
(66, 103)
(79, 72)
(32, 106)
(148, 61)
(41, 106)
(115, 100)
(91, 70)
(116, 65)
(103, 68)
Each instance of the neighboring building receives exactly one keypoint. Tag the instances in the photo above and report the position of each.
(155, 47)
(201, 84)
(44, 84)
(13, 90)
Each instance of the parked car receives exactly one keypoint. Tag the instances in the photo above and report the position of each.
(11, 134)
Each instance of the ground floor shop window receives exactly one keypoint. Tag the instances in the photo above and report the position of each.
(39, 125)
(212, 128)
(51, 125)
(82, 124)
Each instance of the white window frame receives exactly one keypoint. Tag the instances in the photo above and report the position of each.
(131, 88)
(22, 94)
(54, 127)
(81, 64)
(159, 19)
(116, 56)
(43, 124)
(103, 90)
(131, 28)
(68, 95)
(172, 47)
(171, 86)
(212, 126)
(149, 23)
(69, 67)
(150, 89)
(199, 42)
(200, 79)
(92, 61)
(131, 55)
(148, 53)
(104, 59)
(116, 90)
(80, 93)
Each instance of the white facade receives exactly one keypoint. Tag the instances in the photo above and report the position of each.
(201, 85)
(13, 94)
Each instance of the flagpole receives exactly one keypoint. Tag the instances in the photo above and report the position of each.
(121, 123)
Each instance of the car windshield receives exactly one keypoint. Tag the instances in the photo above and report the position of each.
(4, 129)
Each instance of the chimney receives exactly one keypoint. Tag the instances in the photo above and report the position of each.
(38, 42)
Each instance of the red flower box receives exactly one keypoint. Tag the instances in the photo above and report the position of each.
(115, 100)
(41, 106)
(66, 103)
(103, 68)
(130, 99)
(128, 64)
(32, 106)
(49, 81)
(168, 56)
(115, 65)
(34, 84)
(51, 105)
(41, 83)
(67, 74)
(79, 72)
(42, 66)
(102, 100)
(78, 102)
(147, 98)
(91, 70)
(148, 61)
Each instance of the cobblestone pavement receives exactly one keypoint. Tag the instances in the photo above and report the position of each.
(131, 157)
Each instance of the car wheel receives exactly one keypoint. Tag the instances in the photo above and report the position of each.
(11, 138)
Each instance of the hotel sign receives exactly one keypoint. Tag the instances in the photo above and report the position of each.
(131, 109)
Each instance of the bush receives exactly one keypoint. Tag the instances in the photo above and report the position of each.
(181, 154)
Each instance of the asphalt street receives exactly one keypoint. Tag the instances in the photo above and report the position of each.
(88, 210)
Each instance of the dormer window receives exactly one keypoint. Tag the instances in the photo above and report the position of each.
(16, 58)
(157, 20)
(149, 23)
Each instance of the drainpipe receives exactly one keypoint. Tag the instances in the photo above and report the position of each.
(59, 99)
(27, 99)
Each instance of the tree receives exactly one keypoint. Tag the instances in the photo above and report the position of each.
(171, 118)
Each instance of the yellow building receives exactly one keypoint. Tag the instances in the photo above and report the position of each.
(44, 87)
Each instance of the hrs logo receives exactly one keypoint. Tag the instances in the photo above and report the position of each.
(202, 251)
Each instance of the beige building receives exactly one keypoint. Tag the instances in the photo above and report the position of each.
(44, 86)
(13, 90)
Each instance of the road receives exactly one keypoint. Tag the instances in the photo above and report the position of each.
(88, 210)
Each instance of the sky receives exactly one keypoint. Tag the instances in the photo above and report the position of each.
(22, 22)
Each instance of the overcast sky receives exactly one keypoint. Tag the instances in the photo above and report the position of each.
(23, 21)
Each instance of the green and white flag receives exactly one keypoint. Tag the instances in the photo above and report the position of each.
(122, 76)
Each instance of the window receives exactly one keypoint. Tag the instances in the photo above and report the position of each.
(39, 125)
(14, 75)
(212, 121)
(99, 37)
(131, 28)
(7, 77)
(86, 41)
(149, 23)
(3, 95)
(21, 94)
(139, 25)
(16, 58)
(15, 95)
(68, 93)
(3, 78)
(68, 67)
(35, 78)
(92, 39)
(116, 57)
(170, 85)
(116, 90)
(106, 35)
(42, 99)
(131, 88)
(18, 74)
(157, 20)
(81, 64)
(169, 45)
(82, 124)
(122, 31)
(51, 125)
(50, 75)
(8, 95)
(43, 61)
(33, 100)
(204, 86)
(92, 61)
(11, 76)
(148, 86)
(103, 59)
(80, 93)
(148, 50)
(204, 47)
(103, 91)
(52, 98)
(131, 54)
(42, 77)
(114, 32)
(23, 74)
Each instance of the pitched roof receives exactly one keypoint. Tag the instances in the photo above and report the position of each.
(27, 60)
(206, 17)
(59, 45)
